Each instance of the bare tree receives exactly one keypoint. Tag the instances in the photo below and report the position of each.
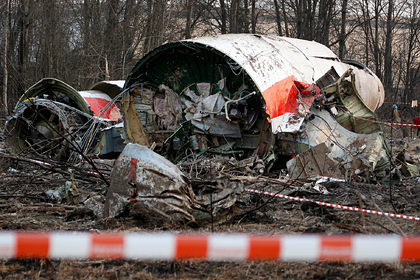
(388, 46)
(5, 68)
(154, 26)
(278, 17)
(190, 7)
(343, 31)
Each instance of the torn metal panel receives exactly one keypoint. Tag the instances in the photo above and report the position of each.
(111, 141)
(218, 127)
(53, 119)
(56, 90)
(288, 122)
(111, 88)
(101, 104)
(360, 151)
(314, 162)
(367, 85)
(342, 99)
(154, 181)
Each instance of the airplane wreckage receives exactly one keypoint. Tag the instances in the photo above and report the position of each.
(272, 97)
(53, 119)
(272, 102)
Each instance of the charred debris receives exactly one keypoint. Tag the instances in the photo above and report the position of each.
(203, 119)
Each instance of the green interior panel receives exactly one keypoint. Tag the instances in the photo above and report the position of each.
(181, 66)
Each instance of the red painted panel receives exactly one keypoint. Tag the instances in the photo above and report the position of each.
(97, 104)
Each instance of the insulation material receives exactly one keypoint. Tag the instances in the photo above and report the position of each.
(213, 103)
(172, 99)
(166, 118)
(167, 109)
(143, 104)
(198, 107)
(204, 89)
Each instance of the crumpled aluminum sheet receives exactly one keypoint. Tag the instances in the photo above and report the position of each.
(155, 182)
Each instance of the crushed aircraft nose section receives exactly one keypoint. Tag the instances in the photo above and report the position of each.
(53, 119)
(251, 95)
(142, 177)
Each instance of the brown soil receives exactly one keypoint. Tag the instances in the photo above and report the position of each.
(24, 205)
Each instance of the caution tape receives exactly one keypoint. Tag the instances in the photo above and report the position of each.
(405, 124)
(214, 247)
(400, 103)
(336, 205)
(417, 126)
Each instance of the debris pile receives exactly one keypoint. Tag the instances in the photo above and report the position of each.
(206, 119)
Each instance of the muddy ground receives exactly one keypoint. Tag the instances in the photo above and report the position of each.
(25, 205)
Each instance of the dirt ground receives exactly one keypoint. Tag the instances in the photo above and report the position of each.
(25, 205)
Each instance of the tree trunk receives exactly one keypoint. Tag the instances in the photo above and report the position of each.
(234, 13)
(23, 44)
(286, 27)
(245, 18)
(278, 18)
(154, 27)
(111, 39)
(322, 30)
(376, 51)
(342, 38)
(5, 74)
(388, 47)
(224, 16)
(253, 18)
(190, 7)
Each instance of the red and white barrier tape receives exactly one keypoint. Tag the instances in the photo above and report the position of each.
(216, 247)
(336, 205)
(400, 103)
(405, 124)
(416, 126)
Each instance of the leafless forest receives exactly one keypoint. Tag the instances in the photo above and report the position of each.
(82, 42)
